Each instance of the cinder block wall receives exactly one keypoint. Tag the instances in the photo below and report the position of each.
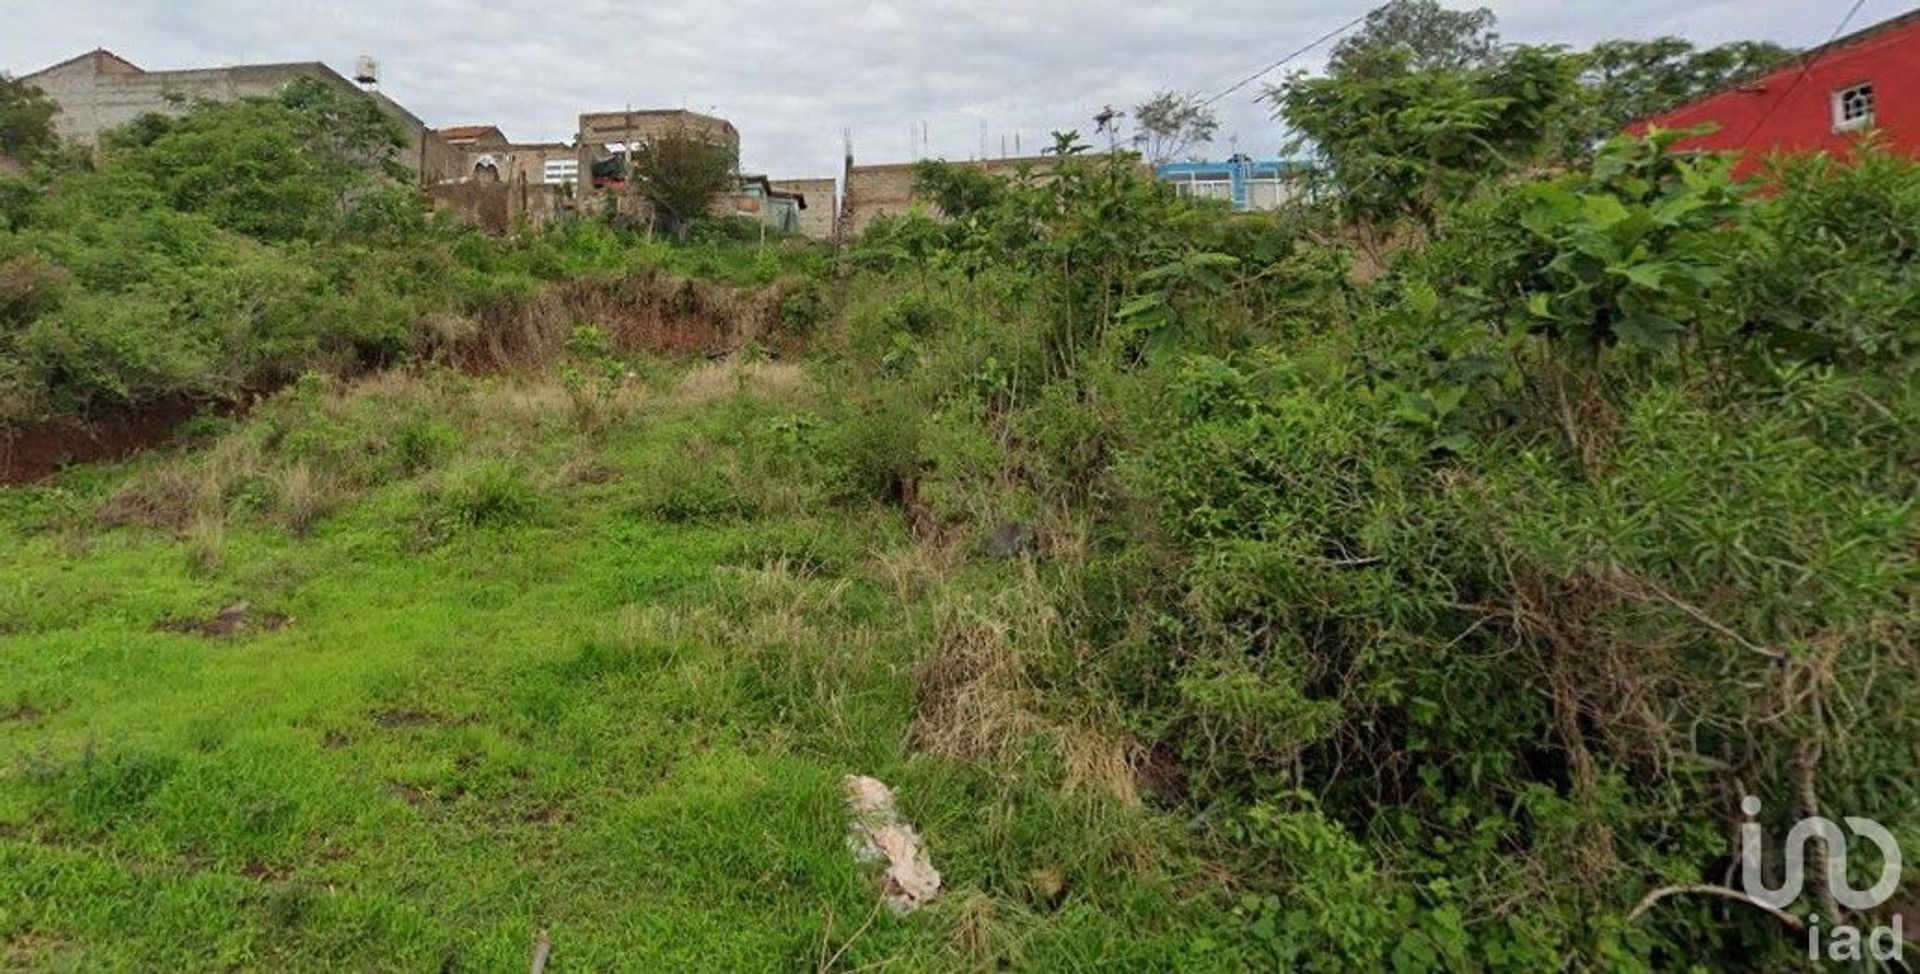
(823, 204)
(887, 188)
(875, 191)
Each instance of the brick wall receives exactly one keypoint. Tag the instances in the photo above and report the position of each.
(496, 207)
(887, 188)
(638, 126)
(515, 162)
(823, 204)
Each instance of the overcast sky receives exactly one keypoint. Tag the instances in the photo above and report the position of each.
(793, 75)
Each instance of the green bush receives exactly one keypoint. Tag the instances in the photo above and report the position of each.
(1834, 270)
(878, 448)
(1498, 568)
(483, 494)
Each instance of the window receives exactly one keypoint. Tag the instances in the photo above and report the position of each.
(1267, 193)
(1853, 108)
(556, 171)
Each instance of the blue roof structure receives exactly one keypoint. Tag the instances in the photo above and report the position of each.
(1227, 179)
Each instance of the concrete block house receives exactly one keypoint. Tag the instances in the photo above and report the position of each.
(1826, 100)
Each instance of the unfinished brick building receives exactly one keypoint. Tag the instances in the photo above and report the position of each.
(100, 90)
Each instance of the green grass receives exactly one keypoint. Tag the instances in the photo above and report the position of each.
(532, 681)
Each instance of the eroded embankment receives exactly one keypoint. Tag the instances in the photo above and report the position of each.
(641, 312)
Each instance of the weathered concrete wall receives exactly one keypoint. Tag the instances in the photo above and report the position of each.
(887, 188)
(98, 91)
(823, 204)
(514, 162)
(600, 128)
(498, 207)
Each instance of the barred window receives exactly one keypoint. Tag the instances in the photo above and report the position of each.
(1853, 107)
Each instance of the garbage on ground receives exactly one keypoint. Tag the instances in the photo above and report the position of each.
(876, 834)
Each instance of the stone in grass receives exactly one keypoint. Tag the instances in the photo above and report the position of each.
(1011, 539)
(875, 833)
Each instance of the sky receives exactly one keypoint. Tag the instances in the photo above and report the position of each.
(951, 79)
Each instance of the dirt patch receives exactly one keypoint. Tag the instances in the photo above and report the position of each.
(22, 712)
(259, 871)
(648, 312)
(234, 620)
(413, 795)
(42, 450)
(1159, 776)
(31, 951)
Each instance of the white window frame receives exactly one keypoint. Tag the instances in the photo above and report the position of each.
(558, 172)
(1844, 100)
(1207, 186)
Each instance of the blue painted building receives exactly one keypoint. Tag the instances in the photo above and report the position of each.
(1242, 183)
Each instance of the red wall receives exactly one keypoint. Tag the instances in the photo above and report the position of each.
(1888, 56)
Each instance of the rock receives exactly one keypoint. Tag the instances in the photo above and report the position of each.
(1011, 539)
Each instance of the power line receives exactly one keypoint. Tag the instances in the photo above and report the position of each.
(1322, 39)
(1806, 68)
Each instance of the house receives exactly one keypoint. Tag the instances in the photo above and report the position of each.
(492, 157)
(471, 136)
(760, 200)
(99, 91)
(818, 216)
(607, 139)
(1822, 101)
(1243, 183)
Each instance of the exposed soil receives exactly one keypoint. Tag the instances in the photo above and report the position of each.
(42, 450)
(22, 711)
(237, 619)
(644, 312)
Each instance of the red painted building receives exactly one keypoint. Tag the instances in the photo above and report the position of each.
(1822, 101)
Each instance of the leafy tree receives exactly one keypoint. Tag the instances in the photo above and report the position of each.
(1417, 35)
(681, 173)
(291, 167)
(1170, 123)
(1107, 123)
(352, 128)
(1630, 79)
(958, 191)
(1402, 143)
(26, 119)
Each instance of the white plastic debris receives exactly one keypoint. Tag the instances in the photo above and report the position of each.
(876, 834)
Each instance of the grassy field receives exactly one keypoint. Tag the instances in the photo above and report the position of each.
(397, 676)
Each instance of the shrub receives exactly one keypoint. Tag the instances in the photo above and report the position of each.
(698, 496)
(482, 494)
(878, 449)
(1833, 273)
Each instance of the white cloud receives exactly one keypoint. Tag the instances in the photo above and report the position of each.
(794, 74)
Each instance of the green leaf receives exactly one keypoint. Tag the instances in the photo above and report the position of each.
(1651, 275)
(1603, 210)
(1648, 332)
(1141, 305)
